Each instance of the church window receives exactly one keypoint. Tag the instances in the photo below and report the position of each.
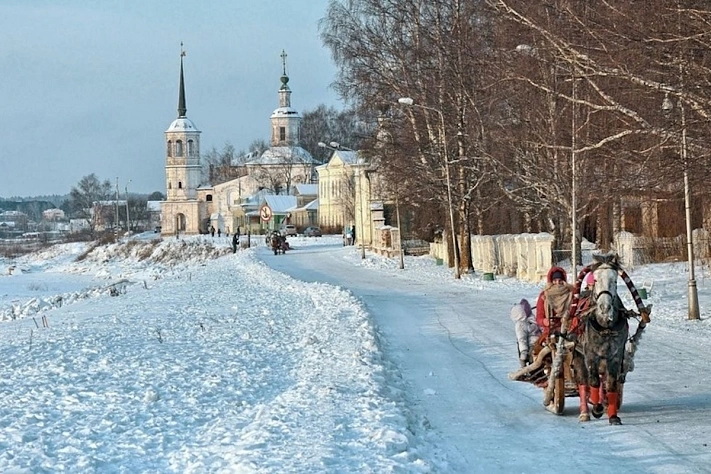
(282, 134)
(178, 148)
(208, 198)
(191, 148)
(169, 151)
(170, 185)
(180, 185)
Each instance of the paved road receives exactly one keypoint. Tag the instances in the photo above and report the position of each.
(454, 346)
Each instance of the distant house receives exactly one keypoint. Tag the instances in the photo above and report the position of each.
(154, 214)
(52, 214)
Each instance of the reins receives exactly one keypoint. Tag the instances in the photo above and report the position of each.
(643, 310)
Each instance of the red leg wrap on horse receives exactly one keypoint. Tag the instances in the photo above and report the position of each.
(611, 404)
(583, 392)
(595, 395)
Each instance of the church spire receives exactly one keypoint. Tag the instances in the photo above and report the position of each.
(182, 110)
(284, 91)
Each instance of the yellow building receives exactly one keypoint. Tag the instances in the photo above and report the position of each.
(337, 191)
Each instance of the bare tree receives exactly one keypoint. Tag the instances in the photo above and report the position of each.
(82, 197)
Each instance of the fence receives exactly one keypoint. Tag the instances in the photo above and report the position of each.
(524, 256)
(530, 256)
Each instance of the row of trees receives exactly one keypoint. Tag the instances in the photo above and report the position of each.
(532, 107)
(90, 190)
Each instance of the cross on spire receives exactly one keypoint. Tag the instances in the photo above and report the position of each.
(283, 60)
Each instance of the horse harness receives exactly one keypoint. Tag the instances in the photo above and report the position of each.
(607, 332)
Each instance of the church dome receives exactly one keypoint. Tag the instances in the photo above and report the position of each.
(182, 124)
(277, 155)
(284, 112)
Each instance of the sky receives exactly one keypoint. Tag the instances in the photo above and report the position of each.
(316, 361)
(90, 87)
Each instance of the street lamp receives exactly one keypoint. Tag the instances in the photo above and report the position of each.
(399, 232)
(692, 293)
(411, 103)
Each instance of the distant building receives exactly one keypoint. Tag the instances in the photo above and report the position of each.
(336, 190)
(53, 214)
(182, 211)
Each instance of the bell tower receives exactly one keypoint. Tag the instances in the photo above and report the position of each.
(182, 151)
(286, 121)
(182, 212)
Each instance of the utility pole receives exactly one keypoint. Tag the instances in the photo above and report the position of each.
(128, 221)
(117, 205)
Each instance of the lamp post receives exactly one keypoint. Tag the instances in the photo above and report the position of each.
(692, 293)
(411, 103)
(128, 221)
(399, 232)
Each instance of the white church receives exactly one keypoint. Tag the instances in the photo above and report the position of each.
(281, 179)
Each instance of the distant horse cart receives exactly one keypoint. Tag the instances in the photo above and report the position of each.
(593, 351)
(278, 243)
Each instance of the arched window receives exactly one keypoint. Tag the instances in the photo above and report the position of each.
(191, 148)
(208, 198)
(180, 185)
(178, 148)
(169, 151)
(282, 134)
(170, 186)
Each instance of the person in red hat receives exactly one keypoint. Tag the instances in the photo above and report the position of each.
(554, 301)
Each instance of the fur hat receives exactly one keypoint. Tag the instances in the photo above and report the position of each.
(557, 275)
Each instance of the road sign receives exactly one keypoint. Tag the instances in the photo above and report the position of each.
(265, 213)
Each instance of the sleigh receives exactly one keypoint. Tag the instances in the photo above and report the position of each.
(552, 370)
(560, 355)
(279, 244)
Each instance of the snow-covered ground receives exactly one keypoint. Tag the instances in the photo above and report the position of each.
(179, 356)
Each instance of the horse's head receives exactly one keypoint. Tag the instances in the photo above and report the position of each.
(604, 293)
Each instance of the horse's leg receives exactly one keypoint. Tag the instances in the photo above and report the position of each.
(612, 385)
(581, 380)
(595, 387)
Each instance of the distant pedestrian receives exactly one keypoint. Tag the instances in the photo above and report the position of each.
(353, 235)
(219, 232)
(212, 231)
(235, 241)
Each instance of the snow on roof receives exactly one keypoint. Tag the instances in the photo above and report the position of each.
(280, 203)
(153, 206)
(285, 112)
(306, 189)
(284, 154)
(347, 156)
(182, 124)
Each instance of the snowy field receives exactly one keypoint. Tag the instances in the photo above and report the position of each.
(179, 356)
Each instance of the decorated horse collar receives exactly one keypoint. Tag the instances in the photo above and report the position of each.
(603, 331)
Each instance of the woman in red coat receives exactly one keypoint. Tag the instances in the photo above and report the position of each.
(554, 301)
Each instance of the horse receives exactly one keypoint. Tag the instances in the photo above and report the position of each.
(605, 334)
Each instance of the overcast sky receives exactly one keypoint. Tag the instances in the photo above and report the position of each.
(90, 86)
